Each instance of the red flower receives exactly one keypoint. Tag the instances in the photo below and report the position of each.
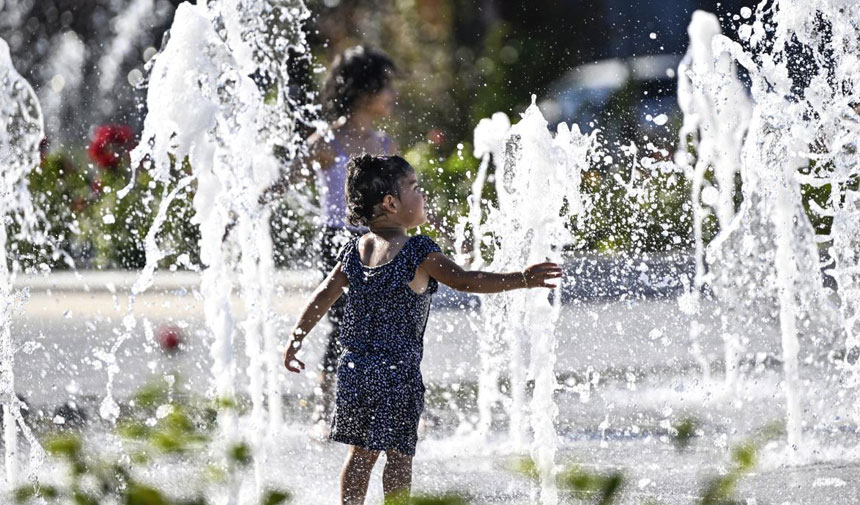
(170, 338)
(111, 145)
(436, 136)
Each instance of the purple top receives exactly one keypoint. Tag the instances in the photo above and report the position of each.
(331, 184)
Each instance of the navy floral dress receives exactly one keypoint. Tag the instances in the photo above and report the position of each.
(380, 392)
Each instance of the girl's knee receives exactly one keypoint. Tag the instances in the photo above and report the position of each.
(398, 458)
(361, 456)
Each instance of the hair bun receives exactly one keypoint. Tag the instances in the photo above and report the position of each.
(364, 162)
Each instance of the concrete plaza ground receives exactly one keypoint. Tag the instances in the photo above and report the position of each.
(625, 370)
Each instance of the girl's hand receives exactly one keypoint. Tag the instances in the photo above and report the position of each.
(536, 276)
(290, 361)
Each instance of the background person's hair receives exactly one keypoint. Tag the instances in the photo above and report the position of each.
(356, 72)
(368, 179)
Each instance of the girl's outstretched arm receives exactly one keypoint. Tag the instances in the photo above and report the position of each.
(321, 300)
(444, 270)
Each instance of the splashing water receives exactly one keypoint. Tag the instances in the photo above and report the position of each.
(780, 136)
(803, 70)
(217, 101)
(489, 138)
(63, 75)
(204, 107)
(716, 112)
(537, 181)
(21, 132)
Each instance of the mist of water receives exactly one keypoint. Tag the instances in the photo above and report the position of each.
(63, 75)
(21, 133)
(204, 107)
(802, 64)
(537, 181)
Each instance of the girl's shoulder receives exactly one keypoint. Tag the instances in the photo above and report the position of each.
(346, 251)
(421, 241)
(418, 247)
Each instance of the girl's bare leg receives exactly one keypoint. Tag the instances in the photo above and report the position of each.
(397, 478)
(356, 475)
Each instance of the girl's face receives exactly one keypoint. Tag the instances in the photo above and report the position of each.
(412, 210)
(381, 103)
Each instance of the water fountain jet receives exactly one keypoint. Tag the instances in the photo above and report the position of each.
(204, 107)
(792, 104)
(21, 132)
(537, 180)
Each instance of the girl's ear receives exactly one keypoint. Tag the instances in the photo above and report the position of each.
(389, 203)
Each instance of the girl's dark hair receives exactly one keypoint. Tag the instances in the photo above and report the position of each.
(357, 72)
(368, 179)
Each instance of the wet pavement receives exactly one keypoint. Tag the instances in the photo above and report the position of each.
(625, 370)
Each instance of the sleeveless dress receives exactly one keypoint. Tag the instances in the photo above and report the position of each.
(380, 392)
(336, 232)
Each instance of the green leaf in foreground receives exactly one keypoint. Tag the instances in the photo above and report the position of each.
(526, 467)
(81, 498)
(606, 487)
(144, 495)
(65, 446)
(744, 456)
(721, 490)
(151, 395)
(684, 433)
(170, 443)
(275, 497)
(240, 454)
(225, 403)
(26, 493)
(133, 429)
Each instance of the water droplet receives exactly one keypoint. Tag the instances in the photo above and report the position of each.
(661, 119)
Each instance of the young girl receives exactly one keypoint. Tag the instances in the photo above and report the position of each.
(357, 93)
(390, 278)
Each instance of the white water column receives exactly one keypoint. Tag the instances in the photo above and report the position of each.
(716, 115)
(21, 131)
(489, 143)
(204, 107)
(797, 117)
(537, 182)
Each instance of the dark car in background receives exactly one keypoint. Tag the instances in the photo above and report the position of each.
(627, 99)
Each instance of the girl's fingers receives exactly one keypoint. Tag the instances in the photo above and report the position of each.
(548, 264)
(550, 275)
(291, 365)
